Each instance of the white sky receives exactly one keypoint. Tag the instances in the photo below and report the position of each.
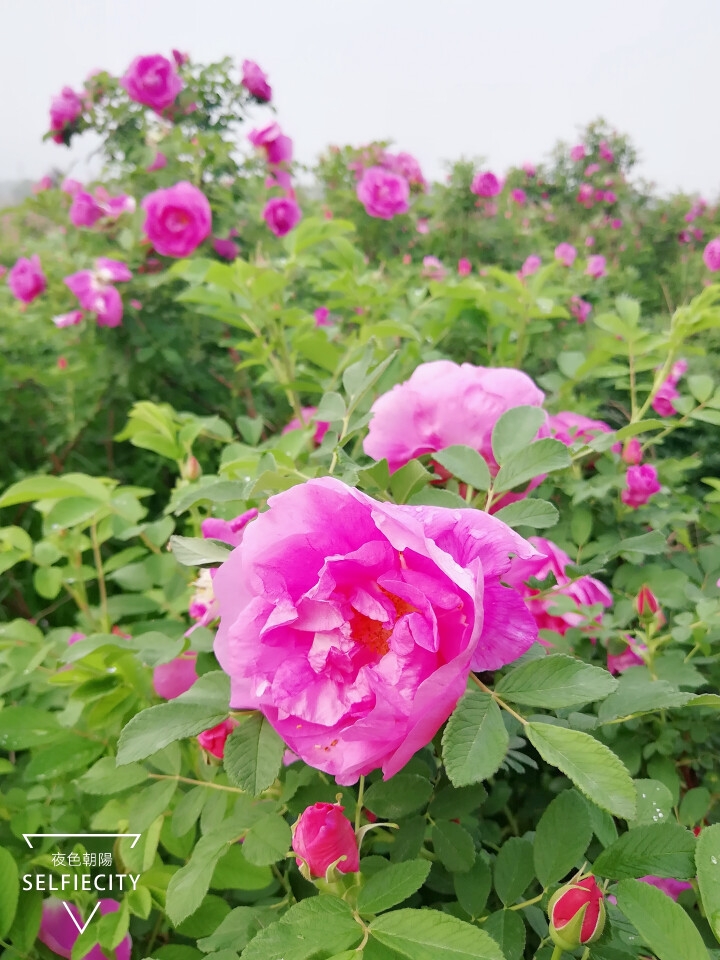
(502, 79)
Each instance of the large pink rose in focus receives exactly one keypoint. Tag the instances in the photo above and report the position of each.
(585, 591)
(178, 219)
(152, 81)
(382, 193)
(352, 624)
(444, 403)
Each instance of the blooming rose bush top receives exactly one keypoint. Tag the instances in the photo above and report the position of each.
(152, 81)
(355, 637)
(383, 194)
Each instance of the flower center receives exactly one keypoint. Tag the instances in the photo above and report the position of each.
(371, 633)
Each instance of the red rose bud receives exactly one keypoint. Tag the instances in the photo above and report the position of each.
(646, 602)
(213, 740)
(577, 914)
(323, 837)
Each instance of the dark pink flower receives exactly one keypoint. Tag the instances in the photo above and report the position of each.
(70, 186)
(323, 836)
(256, 81)
(382, 193)
(570, 427)
(531, 265)
(281, 214)
(406, 166)
(177, 219)
(591, 168)
(580, 308)
(172, 679)
(464, 267)
(26, 279)
(152, 81)
(213, 740)
(642, 483)
(85, 210)
(605, 151)
(632, 451)
(529, 169)
(64, 111)
(278, 148)
(485, 185)
(225, 248)
(518, 196)
(43, 184)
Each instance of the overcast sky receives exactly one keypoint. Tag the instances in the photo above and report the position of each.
(442, 78)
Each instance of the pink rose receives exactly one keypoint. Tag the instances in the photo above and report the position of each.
(68, 319)
(158, 163)
(632, 451)
(43, 184)
(591, 168)
(662, 401)
(278, 148)
(85, 210)
(631, 656)
(355, 637)
(322, 317)
(485, 185)
(171, 679)
(422, 225)
(444, 403)
(642, 483)
(256, 81)
(213, 740)
(70, 186)
(518, 196)
(565, 253)
(596, 266)
(531, 265)
(577, 153)
(229, 531)
(589, 241)
(58, 931)
(529, 169)
(464, 267)
(64, 111)
(605, 151)
(432, 269)
(321, 427)
(405, 165)
(585, 193)
(152, 81)
(580, 308)
(281, 214)
(569, 427)
(225, 248)
(585, 591)
(26, 279)
(616, 224)
(323, 836)
(95, 291)
(711, 255)
(383, 194)
(177, 219)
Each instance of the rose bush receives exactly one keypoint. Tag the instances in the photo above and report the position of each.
(355, 605)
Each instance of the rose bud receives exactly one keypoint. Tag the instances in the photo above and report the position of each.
(646, 602)
(323, 838)
(213, 740)
(577, 914)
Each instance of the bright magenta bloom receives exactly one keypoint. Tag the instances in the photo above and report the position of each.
(464, 267)
(632, 451)
(321, 427)
(646, 603)
(172, 679)
(256, 80)
(485, 185)
(26, 279)
(152, 81)
(213, 740)
(711, 255)
(444, 403)
(85, 210)
(158, 163)
(352, 624)
(580, 308)
(596, 266)
(64, 111)
(229, 531)
(585, 193)
(642, 483)
(225, 247)
(382, 193)
(585, 591)
(672, 888)
(59, 933)
(570, 427)
(278, 148)
(177, 219)
(518, 196)
(565, 253)
(323, 836)
(281, 214)
(95, 291)
(662, 402)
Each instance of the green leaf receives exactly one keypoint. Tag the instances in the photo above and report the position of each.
(592, 767)
(707, 860)
(515, 430)
(204, 705)
(22, 727)
(430, 935)
(654, 802)
(466, 465)
(561, 837)
(530, 512)
(507, 929)
(543, 456)
(473, 887)
(660, 850)
(40, 488)
(267, 841)
(47, 582)
(514, 869)
(642, 426)
(403, 794)
(663, 924)
(647, 543)
(62, 757)
(234, 872)
(638, 693)
(695, 806)
(322, 923)
(330, 408)
(408, 480)
(392, 885)
(9, 890)
(454, 846)
(236, 930)
(475, 740)
(701, 386)
(253, 755)
(555, 682)
(196, 551)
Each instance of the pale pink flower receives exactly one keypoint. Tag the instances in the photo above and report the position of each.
(605, 151)
(68, 319)
(225, 247)
(569, 427)
(322, 317)
(172, 679)
(632, 451)
(642, 483)
(152, 81)
(631, 656)
(177, 219)
(95, 292)
(406, 166)
(43, 184)
(278, 148)
(566, 254)
(382, 193)
(433, 269)
(591, 168)
(256, 81)
(531, 265)
(70, 186)
(529, 169)
(596, 266)
(65, 109)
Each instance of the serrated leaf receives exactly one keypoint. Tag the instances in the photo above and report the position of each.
(638, 693)
(529, 512)
(454, 846)
(466, 464)
(253, 755)
(663, 925)
(475, 740)
(542, 456)
(267, 841)
(660, 850)
(566, 819)
(23, 726)
(515, 430)
(392, 885)
(707, 860)
(403, 794)
(555, 682)
(592, 767)
(431, 935)
(316, 924)
(507, 929)
(514, 869)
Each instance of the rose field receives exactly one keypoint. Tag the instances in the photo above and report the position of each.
(360, 545)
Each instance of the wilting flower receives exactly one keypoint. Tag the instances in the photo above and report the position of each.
(642, 483)
(531, 265)
(59, 931)
(580, 308)
(281, 214)
(577, 914)
(177, 219)
(444, 403)
(26, 279)
(213, 740)
(152, 81)
(584, 591)
(64, 111)
(322, 837)
(596, 266)
(711, 255)
(570, 427)
(172, 679)
(321, 427)
(355, 637)
(256, 80)
(382, 193)
(95, 291)
(464, 267)
(565, 253)
(485, 185)
(433, 269)
(577, 153)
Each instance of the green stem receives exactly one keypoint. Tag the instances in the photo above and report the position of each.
(557, 953)
(358, 808)
(498, 701)
(101, 578)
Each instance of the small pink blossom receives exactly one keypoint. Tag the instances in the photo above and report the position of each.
(229, 531)
(158, 163)
(136, 305)
(153, 81)
(596, 266)
(580, 308)
(26, 279)
(589, 241)
(642, 483)
(566, 254)
(433, 269)
(586, 193)
(569, 427)
(256, 81)
(518, 196)
(591, 168)
(172, 679)
(605, 151)
(485, 185)
(70, 186)
(308, 413)
(65, 109)
(278, 147)
(213, 740)
(464, 267)
(322, 317)
(577, 153)
(281, 214)
(711, 255)
(68, 319)
(616, 224)
(531, 265)
(382, 193)
(631, 656)
(632, 451)
(225, 247)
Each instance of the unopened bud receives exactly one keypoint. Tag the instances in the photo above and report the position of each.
(577, 914)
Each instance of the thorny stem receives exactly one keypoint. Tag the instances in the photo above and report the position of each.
(498, 701)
